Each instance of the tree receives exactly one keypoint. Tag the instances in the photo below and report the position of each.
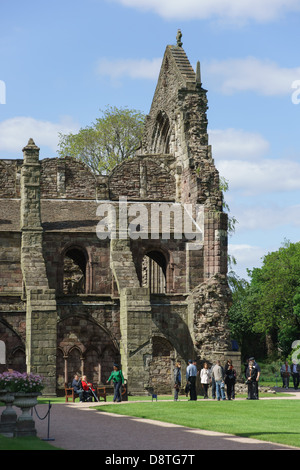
(111, 139)
(269, 305)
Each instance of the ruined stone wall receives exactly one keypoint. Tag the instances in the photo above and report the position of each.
(98, 271)
(143, 179)
(66, 178)
(170, 319)
(175, 256)
(10, 266)
(10, 178)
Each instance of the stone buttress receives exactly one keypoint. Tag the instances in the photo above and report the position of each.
(41, 316)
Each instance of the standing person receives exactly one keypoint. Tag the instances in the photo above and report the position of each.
(205, 378)
(257, 376)
(77, 387)
(251, 374)
(295, 374)
(230, 378)
(218, 374)
(213, 384)
(228, 363)
(285, 372)
(118, 380)
(191, 375)
(177, 380)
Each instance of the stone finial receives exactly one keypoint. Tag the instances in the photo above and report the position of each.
(178, 38)
(198, 73)
(31, 145)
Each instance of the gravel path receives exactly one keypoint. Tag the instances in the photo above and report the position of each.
(78, 427)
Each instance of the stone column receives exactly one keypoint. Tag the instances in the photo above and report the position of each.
(135, 347)
(41, 315)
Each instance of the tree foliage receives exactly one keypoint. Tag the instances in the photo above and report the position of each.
(269, 305)
(111, 139)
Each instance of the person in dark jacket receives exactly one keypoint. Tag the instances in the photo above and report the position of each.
(177, 380)
(230, 378)
(77, 387)
(251, 374)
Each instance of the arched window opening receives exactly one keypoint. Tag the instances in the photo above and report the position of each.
(74, 280)
(161, 135)
(74, 363)
(18, 360)
(154, 269)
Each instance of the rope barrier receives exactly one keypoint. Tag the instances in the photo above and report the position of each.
(47, 414)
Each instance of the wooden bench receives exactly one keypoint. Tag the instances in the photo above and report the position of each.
(70, 394)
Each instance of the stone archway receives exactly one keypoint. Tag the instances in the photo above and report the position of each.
(14, 348)
(85, 348)
(74, 273)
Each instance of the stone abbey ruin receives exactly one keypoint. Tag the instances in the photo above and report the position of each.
(73, 301)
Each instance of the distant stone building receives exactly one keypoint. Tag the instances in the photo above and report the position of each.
(73, 299)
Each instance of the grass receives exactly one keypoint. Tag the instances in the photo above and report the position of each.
(268, 420)
(24, 443)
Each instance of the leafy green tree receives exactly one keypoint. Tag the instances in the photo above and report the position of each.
(269, 305)
(113, 138)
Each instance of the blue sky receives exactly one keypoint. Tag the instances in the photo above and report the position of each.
(61, 62)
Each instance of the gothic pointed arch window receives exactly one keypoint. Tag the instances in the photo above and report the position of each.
(75, 271)
(161, 135)
(154, 272)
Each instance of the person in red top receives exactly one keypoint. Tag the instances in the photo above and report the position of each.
(87, 387)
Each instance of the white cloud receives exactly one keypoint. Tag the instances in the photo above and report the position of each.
(132, 68)
(245, 253)
(267, 218)
(263, 176)
(227, 76)
(15, 132)
(237, 144)
(251, 74)
(247, 256)
(236, 10)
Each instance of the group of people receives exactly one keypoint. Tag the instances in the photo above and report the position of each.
(216, 376)
(287, 371)
(221, 379)
(86, 391)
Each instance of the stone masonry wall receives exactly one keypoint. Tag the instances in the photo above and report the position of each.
(143, 179)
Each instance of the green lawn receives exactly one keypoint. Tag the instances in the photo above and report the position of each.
(268, 420)
(24, 443)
